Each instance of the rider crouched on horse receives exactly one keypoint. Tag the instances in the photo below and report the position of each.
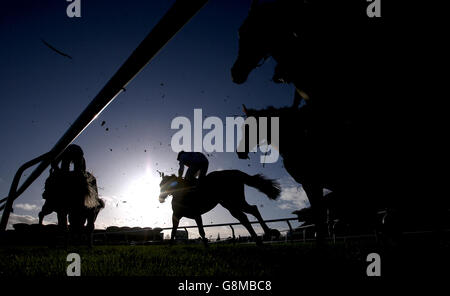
(73, 154)
(197, 164)
(59, 175)
(84, 180)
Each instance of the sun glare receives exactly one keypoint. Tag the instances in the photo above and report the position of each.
(142, 203)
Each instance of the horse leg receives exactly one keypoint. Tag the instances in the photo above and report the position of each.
(90, 228)
(62, 225)
(252, 209)
(201, 231)
(77, 221)
(244, 221)
(175, 222)
(62, 220)
(315, 197)
(46, 210)
(41, 217)
(91, 225)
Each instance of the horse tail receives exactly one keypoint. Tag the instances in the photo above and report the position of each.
(101, 203)
(269, 187)
(91, 199)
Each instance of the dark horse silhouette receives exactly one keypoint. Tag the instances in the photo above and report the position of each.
(72, 195)
(336, 139)
(333, 161)
(220, 187)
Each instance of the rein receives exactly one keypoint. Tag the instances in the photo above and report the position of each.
(184, 188)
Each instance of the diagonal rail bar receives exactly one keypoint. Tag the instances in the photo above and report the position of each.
(12, 191)
(175, 18)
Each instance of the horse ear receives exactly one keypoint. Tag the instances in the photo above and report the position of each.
(297, 99)
(302, 94)
(299, 95)
(162, 175)
(244, 109)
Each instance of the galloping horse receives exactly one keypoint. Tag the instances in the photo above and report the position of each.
(334, 161)
(74, 195)
(335, 140)
(220, 187)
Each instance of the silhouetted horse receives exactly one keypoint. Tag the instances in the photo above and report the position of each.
(336, 139)
(317, 45)
(220, 187)
(72, 195)
(332, 158)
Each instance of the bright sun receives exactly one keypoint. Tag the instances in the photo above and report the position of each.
(142, 204)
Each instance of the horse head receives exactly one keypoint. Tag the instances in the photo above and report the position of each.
(253, 43)
(252, 136)
(167, 186)
(294, 121)
(268, 30)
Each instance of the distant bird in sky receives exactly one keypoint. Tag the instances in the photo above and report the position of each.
(55, 50)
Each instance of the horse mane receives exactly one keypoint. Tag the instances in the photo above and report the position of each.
(172, 176)
(73, 186)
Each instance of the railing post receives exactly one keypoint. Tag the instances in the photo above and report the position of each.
(334, 232)
(13, 192)
(290, 226)
(290, 229)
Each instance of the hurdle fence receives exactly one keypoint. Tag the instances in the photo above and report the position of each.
(231, 225)
(170, 24)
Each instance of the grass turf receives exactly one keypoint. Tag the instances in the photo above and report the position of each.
(225, 260)
(177, 260)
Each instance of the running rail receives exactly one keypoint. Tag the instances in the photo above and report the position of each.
(177, 16)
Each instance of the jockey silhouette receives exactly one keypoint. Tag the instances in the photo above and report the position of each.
(196, 162)
(73, 154)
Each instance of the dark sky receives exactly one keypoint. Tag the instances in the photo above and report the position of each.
(43, 92)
